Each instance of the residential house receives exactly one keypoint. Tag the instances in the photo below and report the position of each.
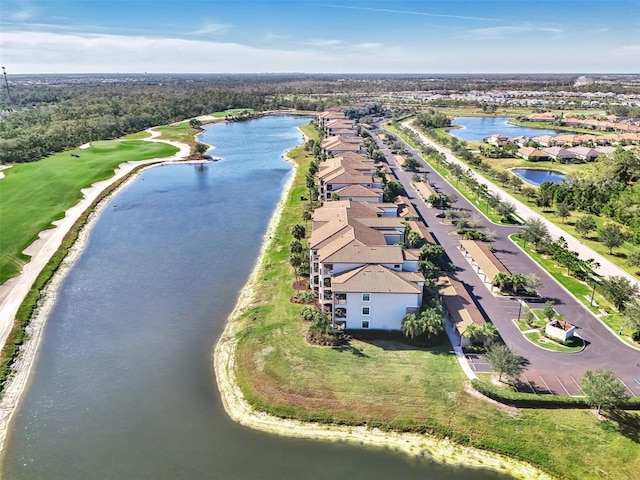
(560, 154)
(532, 154)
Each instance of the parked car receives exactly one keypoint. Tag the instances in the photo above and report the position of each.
(440, 215)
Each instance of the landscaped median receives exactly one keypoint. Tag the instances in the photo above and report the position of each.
(390, 385)
(533, 327)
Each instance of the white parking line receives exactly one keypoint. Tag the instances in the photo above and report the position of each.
(625, 386)
(545, 384)
(562, 385)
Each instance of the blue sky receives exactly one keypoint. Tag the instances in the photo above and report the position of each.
(337, 36)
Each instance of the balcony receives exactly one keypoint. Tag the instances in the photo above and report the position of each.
(341, 299)
(340, 312)
(327, 295)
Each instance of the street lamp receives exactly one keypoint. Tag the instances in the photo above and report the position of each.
(519, 307)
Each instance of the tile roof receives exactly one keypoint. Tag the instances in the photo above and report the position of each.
(373, 279)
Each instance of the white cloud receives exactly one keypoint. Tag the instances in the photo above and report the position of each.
(212, 29)
(65, 52)
(321, 42)
(409, 12)
(51, 52)
(494, 33)
(24, 14)
(627, 51)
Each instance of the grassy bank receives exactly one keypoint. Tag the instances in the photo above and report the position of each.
(18, 335)
(35, 194)
(393, 386)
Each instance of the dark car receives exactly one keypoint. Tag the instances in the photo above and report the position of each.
(440, 215)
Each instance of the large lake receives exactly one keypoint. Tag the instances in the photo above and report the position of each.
(123, 387)
(475, 129)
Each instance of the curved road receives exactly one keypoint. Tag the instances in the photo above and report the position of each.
(546, 371)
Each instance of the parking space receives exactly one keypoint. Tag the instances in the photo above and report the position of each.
(478, 363)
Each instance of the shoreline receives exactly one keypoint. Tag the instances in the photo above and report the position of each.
(41, 251)
(439, 450)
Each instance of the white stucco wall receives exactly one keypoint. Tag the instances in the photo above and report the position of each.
(387, 310)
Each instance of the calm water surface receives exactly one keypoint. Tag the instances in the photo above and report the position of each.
(123, 387)
(475, 129)
(538, 177)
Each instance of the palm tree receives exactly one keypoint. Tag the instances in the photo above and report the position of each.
(432, 324)
(306, 216)
(518, 280)
(489, 332)
(295, 247)
(411, 325)
(296, 262)
(472, 332)
(298, 231)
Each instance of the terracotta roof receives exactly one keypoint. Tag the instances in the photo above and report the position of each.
(373, 279)
(356, 252)
(531, 152)
(357, 190)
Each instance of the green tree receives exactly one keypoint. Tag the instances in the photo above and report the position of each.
(432, 321)
(473, 333)
(201, 148)
(429, 322)
(489, 332)
(505, 210)
(563, 211)
(611, 236)
(633, 260)
(296, 262)
(529, 317)
(602, 389)
(306, 216)
(195, 123)
(528, 192)
(296, 248)
(585, 225)
(412, 325)
(298, 231)
(549, 312)
(391, 190)
(535, 231)
(504, 360)
(619, 291)
(411, 164)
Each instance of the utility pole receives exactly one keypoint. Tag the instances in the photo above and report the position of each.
(6, 83)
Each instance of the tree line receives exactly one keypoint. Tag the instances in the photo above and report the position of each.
(51, 118)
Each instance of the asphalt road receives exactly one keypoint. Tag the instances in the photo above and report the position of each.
(546, 371)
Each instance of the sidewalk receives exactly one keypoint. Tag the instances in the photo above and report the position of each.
(607, 268)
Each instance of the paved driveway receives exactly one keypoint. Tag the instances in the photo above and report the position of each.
(546, 371)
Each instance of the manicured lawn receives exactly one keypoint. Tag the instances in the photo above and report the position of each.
(182, 132)
(391, 385)
(575, 343)
(35, 194)
(136, 136)
(232, 112)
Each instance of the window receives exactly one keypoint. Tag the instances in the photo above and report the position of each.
(366, 297)
(365, 324)
(366, 310)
